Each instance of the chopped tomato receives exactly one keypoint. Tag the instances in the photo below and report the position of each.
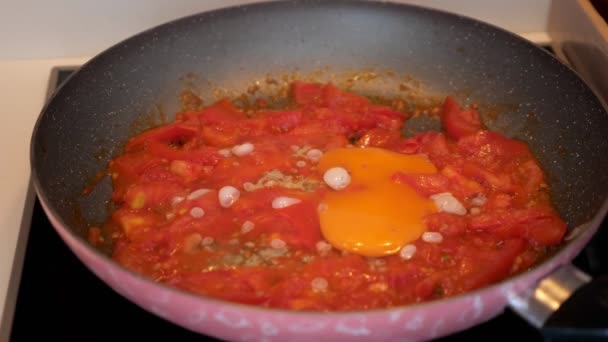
(306, 93)
(379, 137)
(227, 204)
(172, 134)
(457, 122)
(335, 98)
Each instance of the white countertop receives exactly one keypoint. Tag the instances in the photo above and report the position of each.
(23, 86)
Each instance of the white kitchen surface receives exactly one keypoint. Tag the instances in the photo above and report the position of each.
(36, 36)
(41, 29)
(23, 85)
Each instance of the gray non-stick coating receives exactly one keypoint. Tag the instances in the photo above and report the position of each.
(545, 103)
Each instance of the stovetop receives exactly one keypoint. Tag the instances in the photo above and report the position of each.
(61, 298)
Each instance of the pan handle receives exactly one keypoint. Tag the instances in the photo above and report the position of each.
(567, 305)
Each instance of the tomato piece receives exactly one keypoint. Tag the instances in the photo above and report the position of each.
(459, 184)
(499, 201)
(335, 98)
(126, 169)
(495, 180)
(304, 93)
(531, 176)
(151, 195)
(425, 184)
(379, 137)
(491, 149)
(212, 283)
(456, 122)
(540, 226)
(385, 117)
(447, 224)
(297, 225)
(221, 111)
(281, 121)
(172, 134)
(94, 236)
(251, 252)
(486, 266)
(134, 223)
(431, 143)
(427, 288)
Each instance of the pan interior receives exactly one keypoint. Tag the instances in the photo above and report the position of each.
(405, 52)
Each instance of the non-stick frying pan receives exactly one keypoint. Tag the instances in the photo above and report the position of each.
(529, 94)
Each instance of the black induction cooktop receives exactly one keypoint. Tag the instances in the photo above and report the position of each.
(61, 300)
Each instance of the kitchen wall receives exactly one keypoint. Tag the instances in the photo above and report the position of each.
(70, 28)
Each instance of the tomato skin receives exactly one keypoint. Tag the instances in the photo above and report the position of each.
(220, 112)
(488, 266)
(424, 184)
(284, 121)
(304, 93)
(539, 225)
(431, 143)
(456, 122)
(127, 169)
(379, 137)
(334, 98)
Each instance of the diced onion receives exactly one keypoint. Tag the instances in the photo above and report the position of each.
(197, 212)
(197, 193)
(177, 200)
(242, 150)
(337, 178)
(407, 252)
(284, 202)
(247, 226)
(446, 202)
(479, 200)
(224, 152)
(323, 247)
(277, 244)
(228, 195)
(314, 154)
(432, 237)
(319, 284)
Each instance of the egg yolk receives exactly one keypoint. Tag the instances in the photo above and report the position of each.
(373, 216)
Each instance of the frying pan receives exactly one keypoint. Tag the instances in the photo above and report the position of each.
(531, 95)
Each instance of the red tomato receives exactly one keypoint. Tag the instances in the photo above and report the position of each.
(379, 137)
(456, 122)
(487, 265)
(306, 93)
(424, 184)
(169, 228)
(335, 98)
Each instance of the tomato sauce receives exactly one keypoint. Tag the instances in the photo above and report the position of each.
(171, 226)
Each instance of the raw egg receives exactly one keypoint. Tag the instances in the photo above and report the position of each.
(372, 215)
